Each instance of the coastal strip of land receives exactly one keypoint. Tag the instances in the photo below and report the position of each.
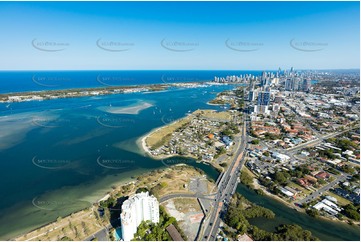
(93, 91)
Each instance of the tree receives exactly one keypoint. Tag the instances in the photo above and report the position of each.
(255, 141)
(110, 202)
(66, 238)
(292, 233)
(355, 178)
(348, 169)
(351, 211)
(227, 132)
(305, 205)
(281, 177)
(259, 234)
(142, 189)
(327, 153)
(271, 136)
(245, 178)
(257, 211)
(312, 212)
(148, 231)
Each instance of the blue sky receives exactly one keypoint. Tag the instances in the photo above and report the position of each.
(179, 35)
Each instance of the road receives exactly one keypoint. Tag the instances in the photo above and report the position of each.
(304, 121)
(185, 195)
(316, 141)
(228, 183)
(100, 235)
(226, 187)
(319, 192)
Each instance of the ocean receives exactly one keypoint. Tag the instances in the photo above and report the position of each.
(21, 81)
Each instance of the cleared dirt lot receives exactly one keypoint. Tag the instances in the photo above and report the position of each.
(188, 213)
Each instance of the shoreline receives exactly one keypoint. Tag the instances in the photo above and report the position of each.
(142, 144)
(132, 110)
(216, 104)
(43, 95)
(80, 214)
(79, 211)
(145, 150)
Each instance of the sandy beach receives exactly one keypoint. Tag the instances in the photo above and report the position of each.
(141, 143)
(217, 104)
(133, 109)
(96, 198)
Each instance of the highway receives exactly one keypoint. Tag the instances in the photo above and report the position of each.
(226, 187)
(228, 183)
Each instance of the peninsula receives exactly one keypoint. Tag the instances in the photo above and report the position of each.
(94, 91)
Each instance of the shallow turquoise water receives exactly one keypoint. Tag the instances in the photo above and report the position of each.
(59, 156)
(118, 234)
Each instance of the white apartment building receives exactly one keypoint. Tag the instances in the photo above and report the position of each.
(137, 208)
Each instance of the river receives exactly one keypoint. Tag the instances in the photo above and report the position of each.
(321, 228)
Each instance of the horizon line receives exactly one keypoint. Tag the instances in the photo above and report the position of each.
(301, 69)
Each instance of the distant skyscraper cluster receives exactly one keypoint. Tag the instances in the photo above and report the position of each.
(295, 84)
(269, 78)
(139, 207)
(260, 87)
(261, 94)
(234, 78)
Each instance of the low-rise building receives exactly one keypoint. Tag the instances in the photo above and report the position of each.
(280, 157)
(321, 206)
(322, 175)
(286, 192)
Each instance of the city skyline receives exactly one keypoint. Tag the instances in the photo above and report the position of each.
(179, 35)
